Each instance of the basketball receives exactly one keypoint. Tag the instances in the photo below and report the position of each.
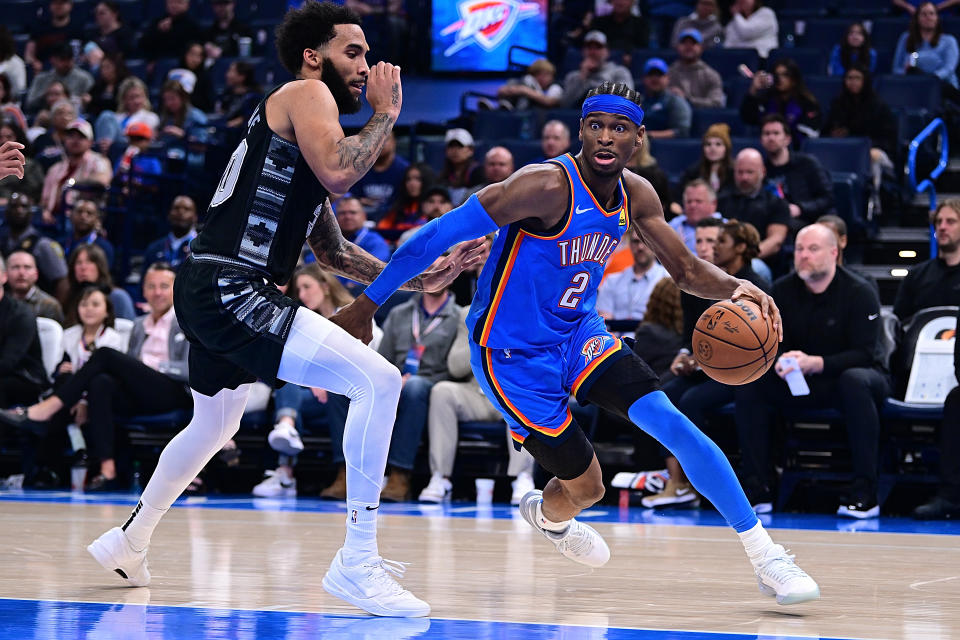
(732, 342)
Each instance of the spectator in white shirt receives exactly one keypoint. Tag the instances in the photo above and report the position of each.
(624, 295)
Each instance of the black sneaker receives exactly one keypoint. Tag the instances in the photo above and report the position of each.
(939, 508)
(860, 508)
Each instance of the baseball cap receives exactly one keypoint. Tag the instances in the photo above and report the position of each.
(139, 130)
(691, 33)
(82, 126)
(459, 135)
(595, 36)
(655, 65)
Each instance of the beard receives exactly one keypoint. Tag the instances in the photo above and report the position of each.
(339, 88)
(947, 246)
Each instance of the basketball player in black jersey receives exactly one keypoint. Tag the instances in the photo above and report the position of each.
(273, 194)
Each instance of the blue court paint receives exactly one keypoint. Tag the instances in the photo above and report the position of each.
(602, 513)
(69, 620)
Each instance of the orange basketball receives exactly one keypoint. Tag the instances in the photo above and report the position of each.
(732, 342)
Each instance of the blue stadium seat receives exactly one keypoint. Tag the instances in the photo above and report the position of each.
(524, 151)
(726, 61)
(885, 32)
(812, 62)
(848, 192)
(865, 9)
(20, 16)
(742, 142)
(704, 117)
(825, 89)
(162, 67)
(915, 92)
(823, 33)
(736, 87)
(675, 155)
(841, 154)
(571, 62)
(492, 125)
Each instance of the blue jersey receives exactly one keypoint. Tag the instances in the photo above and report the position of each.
(537, 286)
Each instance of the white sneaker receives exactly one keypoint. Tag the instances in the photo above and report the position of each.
(112, 550)
(437, 490)
(276, 484)
(778, 575)
(580, 542)
(521, 487)
(675, 494)
(285, 439)
(370, 586)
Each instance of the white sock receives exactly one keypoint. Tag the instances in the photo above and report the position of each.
(361, 541)
(550, 525)
(139, 527)
(756, 542)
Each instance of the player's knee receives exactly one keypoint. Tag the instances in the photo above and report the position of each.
(383, 378)
(587, 493)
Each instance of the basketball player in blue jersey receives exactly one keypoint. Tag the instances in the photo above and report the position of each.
(273, 195)
(536, 335)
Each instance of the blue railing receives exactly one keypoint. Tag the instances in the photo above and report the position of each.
(927, 184)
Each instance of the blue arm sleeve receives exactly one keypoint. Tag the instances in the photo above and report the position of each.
(469, 220)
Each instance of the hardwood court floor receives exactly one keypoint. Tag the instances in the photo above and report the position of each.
(660, 577)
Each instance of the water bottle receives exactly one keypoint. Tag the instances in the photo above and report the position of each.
(135, 484)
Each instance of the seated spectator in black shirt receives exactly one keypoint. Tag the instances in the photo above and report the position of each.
(657, 337)
(19, 233)
(834, 327)
(56, 27)
(798, 178)
(110, 34)
(223, 36)
(625, 30)
(377, 187)
(736, 244)
(946, 504)
(22, 376)
(194, 60)
(167, 36)
(750, 201)
(934, 282)
(174, 248)
(87, 220)
(242, 94)
(106, 82)
(787, 94)
(22, 276)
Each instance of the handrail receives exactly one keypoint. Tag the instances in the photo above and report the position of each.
(927, 184)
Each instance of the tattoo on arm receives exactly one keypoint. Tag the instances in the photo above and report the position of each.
(360, 151)
(342, 257)
(395, 95)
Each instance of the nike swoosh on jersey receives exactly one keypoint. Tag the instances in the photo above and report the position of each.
(579, 210)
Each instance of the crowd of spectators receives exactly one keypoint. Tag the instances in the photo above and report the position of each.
(757, 205)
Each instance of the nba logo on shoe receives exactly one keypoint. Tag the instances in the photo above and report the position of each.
(592, 348)
(353, 516)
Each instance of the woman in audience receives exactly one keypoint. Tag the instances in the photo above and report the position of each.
(112, 72)
(242, 94)
(319, 291)
(858, 112)
(110, 34)
(32, 182)
(8, 104)
(133, 105)
(658, 338)
(194, 60)
(785, 93)
(645, 165)
(177, 115)
(855, 49)
(716, 160)
(752, 26)
(405, 213)
(88, 265)
(925, 49)
(48, 146)
(55, 93)
(12, 65)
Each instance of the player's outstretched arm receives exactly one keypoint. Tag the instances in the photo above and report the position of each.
(693, 275)
(344, 258)
(339, 161)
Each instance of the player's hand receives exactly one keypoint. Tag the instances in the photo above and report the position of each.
(11, 159)
(357, 318)
(768, 308)
(445, 269)
(383, 89)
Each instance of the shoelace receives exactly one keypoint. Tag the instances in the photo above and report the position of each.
(383, 570)
(578, 540)
(782, 568)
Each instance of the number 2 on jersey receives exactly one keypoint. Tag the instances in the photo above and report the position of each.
(571, 297)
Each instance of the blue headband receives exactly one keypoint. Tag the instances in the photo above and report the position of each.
(613, 104)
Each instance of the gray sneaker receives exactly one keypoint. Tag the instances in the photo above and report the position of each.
(580, 542)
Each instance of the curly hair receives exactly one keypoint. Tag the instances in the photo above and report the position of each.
(746, 234)
(663, 307)
(309, 27)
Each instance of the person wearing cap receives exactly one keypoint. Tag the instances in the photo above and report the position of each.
(81, 164)
(77, 81)
(705, 19)
(624, 29)
(693, 79)
(140, 136)
(223, 36)
(461, 171)
(595, 69)
(667, 114)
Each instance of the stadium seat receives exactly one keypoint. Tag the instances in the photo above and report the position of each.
(824, 89)
(569, 117)
(20, 16)
(885, 32)
(823, 33)
(492, 125)
(727, 61)
(675, 155)
(524, 151)
(912, 92)
(812, 62)
(743, 142)
(703, 118)
(841, 154)
(848, 198)
(736, 87)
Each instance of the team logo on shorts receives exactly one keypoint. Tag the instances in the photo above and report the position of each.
(487, 22)
(593, 348)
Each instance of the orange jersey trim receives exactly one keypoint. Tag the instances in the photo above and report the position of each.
(514, 410)
(612, 349)
(623, 194)
(501, 285)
